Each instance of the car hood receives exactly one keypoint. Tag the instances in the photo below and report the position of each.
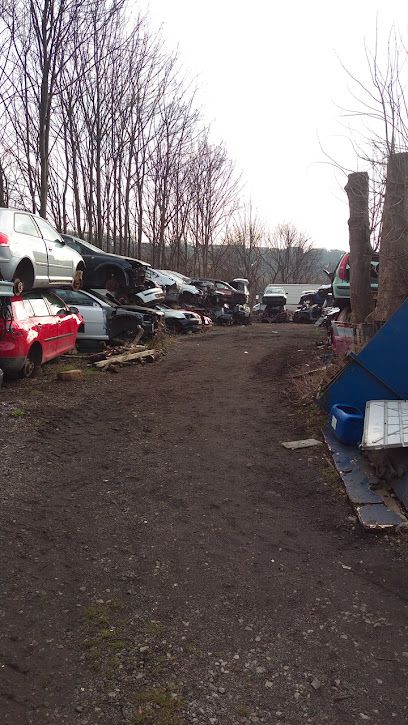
(175, 314)
(159, 278)
(150, 296)
(191, 289)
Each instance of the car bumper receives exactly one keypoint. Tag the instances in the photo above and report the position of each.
(7, 264)
(189, 325)
(12, 365)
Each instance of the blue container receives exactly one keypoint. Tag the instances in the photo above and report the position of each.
(377, 372)
(347, 424)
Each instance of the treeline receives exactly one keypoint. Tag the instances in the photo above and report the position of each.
(100, 133)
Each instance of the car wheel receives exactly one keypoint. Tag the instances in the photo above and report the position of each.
(18, 286)
(23, 278)
(32, 363)
(77, 281)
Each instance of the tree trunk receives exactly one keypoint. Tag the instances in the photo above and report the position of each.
(393, 276)
(361, 298)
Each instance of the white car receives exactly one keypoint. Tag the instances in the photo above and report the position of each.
(174, 284)
(177, 321)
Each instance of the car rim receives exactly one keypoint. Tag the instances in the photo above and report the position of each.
(77, 284)
(28, 368)
(18, 287)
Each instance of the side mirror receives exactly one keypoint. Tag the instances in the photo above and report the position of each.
(60, 241)
(74, 310)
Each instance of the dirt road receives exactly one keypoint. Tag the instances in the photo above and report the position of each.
(165, 561)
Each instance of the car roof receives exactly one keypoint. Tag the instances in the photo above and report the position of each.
(94, 248)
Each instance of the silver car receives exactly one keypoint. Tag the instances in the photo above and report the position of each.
(33, 254)
(108, 322)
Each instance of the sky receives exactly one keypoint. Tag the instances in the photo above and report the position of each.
(272, 84)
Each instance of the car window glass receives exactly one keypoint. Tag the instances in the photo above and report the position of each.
(54, 303)
(71, 297)
(220, 285)
(38, 305)
(73, 244)
(50, 234)
(24, 224)
(28, 308)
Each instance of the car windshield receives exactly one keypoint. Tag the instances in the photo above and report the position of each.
(105, 296)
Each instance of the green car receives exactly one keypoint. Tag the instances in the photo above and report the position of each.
(340, 280)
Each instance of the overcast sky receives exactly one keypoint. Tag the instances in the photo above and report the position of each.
(272, 87)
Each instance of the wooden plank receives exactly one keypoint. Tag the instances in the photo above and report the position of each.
(127, 357)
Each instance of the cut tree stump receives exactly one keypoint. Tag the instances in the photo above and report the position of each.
(361, 298)
(393, 278)
(68, 375)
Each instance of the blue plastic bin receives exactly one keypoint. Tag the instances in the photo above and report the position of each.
(347, 424)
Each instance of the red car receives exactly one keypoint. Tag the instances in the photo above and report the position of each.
(35, 328)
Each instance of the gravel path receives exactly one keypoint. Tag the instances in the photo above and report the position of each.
(165, 561)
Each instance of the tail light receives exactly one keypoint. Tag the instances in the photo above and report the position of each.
(4, 240)
(342, 271)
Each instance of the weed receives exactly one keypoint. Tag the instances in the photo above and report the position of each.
(154, 627)
(243, 711)
(157, 342)
(158, 706)
(104, 640)
(16, 413)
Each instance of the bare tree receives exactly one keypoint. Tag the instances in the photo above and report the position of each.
(290, 256)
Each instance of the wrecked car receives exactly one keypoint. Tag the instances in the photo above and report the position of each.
(272, 306)
(105, 321)
(178, 321)
(108, 271)
(241, 285)
(310, 305)
(218, 292)
(175, 285)
(35, 328)
(340, 279)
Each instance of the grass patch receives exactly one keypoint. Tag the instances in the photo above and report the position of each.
(157, 342)
(158, 706)
(243, 711)
(314, 420)
(154, 627)
(17, 413)
(104, 639)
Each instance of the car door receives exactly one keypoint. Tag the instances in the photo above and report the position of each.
(28, 242)
(45, 324)
(92, 311)
(65, 324)
(60, 262)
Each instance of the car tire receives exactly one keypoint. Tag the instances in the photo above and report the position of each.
(32, 363)
(78, 279)
(23, 278)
